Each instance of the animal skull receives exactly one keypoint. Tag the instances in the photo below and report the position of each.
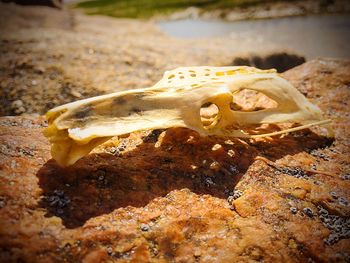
(175, 101)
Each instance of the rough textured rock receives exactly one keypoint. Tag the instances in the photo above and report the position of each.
(173, 196)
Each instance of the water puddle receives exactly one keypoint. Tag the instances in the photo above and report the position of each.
(312, 36)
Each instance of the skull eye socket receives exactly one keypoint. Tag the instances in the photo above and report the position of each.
(251, 100)
(209, 114)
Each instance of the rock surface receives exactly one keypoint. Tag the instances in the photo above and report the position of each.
(171, 196)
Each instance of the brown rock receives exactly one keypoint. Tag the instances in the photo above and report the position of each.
(156, 198)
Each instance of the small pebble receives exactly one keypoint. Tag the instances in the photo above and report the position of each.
(75, 93)
(323, 211)
(109, 251)
(214, 166)
(230, 199)
(307, 211)
(145, 227)
(59, 193)
(334, 195)
(345, 177)
(231, 153)
(294, 210)
(342, 201)
(234, 195)
(209, 182)
(17, 104)
(233, 169)
(216, 147)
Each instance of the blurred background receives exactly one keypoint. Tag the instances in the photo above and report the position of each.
(54, 52)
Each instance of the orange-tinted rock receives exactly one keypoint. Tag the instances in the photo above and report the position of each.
(168, 196)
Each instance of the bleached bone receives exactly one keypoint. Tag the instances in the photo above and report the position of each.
(175, 101)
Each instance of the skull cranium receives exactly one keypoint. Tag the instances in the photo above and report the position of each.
(175, 101)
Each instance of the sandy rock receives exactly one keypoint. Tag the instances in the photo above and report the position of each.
(155, 198)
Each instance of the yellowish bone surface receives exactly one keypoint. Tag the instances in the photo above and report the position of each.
(175, 101)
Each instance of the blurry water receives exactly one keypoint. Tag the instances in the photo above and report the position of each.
(312, 36)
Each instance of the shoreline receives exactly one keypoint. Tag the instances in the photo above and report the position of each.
(238, 12)
(259, 12)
